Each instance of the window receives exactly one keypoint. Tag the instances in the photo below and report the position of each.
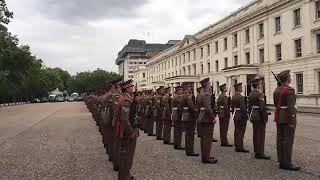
(144, 75)
(318, 43)
(299, 79)
(317, 4)
(184, 71)
(194, 55)
(278, 52)
(130, 77)
(201, 52)
(201, 68)
(235, 60)
(247, 35)
(176, 61)
(130, 72)
(225, 44)
(189, 70)
(184, 58)
(235, 40)
(217, 46)
(217, 65)
(261, 30)
(225, 62)
(261, 55)
(298, 48)
(208, 67)
(188, 53)
(248, 57)
(208, 50)
(296, 17)
(194, 69)
(277, 24)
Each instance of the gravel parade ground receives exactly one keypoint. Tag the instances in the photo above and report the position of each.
(61, 141)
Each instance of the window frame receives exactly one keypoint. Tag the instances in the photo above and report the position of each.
(248, 57)
(295, 18)
(276, 28)
(299, 85)
(276, 52)
(296, 48)
(247, 35)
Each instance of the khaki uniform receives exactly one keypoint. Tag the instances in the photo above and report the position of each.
(240, 118)
(258, 116)
(205, 119)
(166, 117)
(115, 140)
(224, 118)
(157, 115)
(285, 117)
(188, 118)
(125, 120)
(176, 105)
(198, 124)
(149, 121)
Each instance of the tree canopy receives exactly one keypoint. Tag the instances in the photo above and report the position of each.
(23, 76)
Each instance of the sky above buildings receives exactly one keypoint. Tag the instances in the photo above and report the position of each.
(81, 35)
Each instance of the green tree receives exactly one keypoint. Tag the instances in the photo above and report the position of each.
(5, 14)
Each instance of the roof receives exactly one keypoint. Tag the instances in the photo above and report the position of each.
(140, 46)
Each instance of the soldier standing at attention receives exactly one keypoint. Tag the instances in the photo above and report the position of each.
(206, 120)
(240, 118)
(224, 115)
(197, 105)
(166, 116)
(126, 131)
(285, 116)
(149, 114)
(158, 113)
(115, 140)
(188, 118)
(176, 105)
(258, 116)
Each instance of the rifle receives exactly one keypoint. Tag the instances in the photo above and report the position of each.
(278, 81)
(246, 98)
(229, 99)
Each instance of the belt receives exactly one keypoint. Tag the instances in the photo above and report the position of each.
(286, 107)
(221, 106)
(253, 107)
(174, 108)
(234, 112)
(203, 108)
(185, 108)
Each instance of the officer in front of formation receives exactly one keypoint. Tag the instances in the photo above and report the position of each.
(189, 113)
(258, 116)
(224, 115)
(240, 118)
(206, 120)
(286, 118)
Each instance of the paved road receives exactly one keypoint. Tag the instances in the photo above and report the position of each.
(61, 141)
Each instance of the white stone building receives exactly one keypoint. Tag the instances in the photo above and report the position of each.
(263, 36)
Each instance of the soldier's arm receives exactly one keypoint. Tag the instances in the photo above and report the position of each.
(207, 101)
(291, 105)
(191, 105)
(263, 108)
(243, 108)
(124, 118)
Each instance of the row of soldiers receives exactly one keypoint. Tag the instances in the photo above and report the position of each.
(119, 111)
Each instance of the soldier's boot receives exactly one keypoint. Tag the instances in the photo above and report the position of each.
(115, 156)
(262, 156)
(177, 144)
(124, 172)
(159, 129)
(167, 133)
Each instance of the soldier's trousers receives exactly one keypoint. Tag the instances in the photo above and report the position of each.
(177, 133)
(259, 132)
(285, 140)
(115, 152)
(224, 127)
(159, 127)
(206, 140)
(198, 129)
(127, 150)
(167, 131)
(189, 136)
(149, 125)
(109, 139)
(239, 131)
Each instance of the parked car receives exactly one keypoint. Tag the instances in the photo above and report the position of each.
(60, 99)
(79, 98)
(44, 100)
(35, 100)
(52, 98)
(70, 99)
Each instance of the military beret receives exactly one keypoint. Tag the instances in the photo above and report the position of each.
(117, 81)
(126, 84)
(283, 75)
(256, 80)
(167, 89)
(204, 81)
(237, 85)
(160, 88)
(223, 86)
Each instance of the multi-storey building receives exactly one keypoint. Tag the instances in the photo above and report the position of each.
(136, 53)
(263, 36)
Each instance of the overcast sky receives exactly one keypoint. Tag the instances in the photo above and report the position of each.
(81, 35)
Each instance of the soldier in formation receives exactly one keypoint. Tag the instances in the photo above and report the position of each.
(120, 112)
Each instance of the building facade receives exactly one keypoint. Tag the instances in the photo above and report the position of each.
(136, 53)
(263, 36)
